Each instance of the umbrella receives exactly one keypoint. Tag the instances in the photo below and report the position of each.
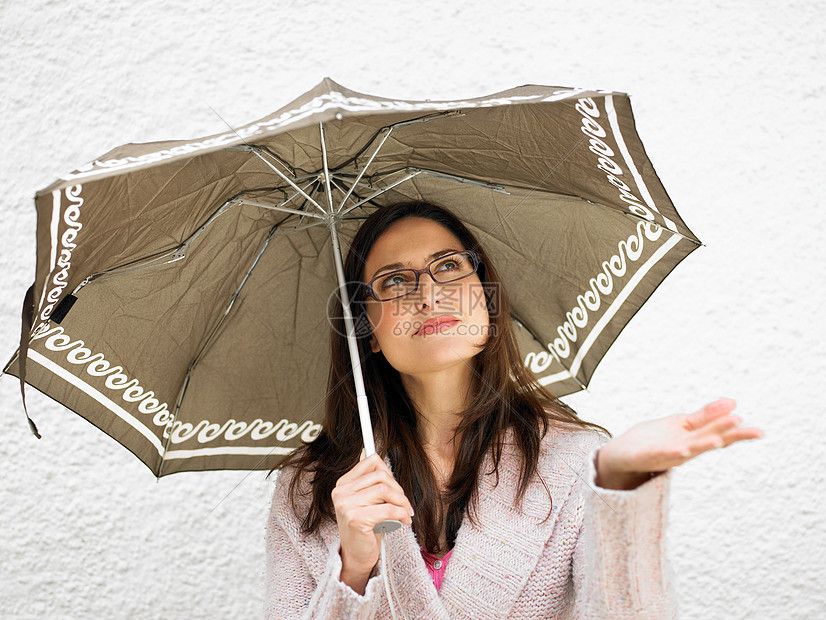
(181, 288)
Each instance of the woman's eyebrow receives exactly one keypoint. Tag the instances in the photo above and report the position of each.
(397, 265)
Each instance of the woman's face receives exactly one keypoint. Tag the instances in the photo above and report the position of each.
(412, 241)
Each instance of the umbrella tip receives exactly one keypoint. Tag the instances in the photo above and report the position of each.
(33, 428)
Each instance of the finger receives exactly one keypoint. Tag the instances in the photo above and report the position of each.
(368, 481)
(369, 464)
(718, 427)
(720, 440)
(709, 413)
(374, 477)
(379, 493)
(364, 519)
(742, 434)
(352, 485)
(363, 454)
(729, 429)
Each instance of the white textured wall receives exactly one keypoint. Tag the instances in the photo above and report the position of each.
(730, 100)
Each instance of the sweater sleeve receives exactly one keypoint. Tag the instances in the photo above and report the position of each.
(620, 568)
(292, 592)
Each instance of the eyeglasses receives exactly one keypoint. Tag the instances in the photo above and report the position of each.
(447, 268)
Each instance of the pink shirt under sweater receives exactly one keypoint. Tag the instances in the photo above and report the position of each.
(436, 566)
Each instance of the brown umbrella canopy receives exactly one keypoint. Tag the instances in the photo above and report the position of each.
(181, 292)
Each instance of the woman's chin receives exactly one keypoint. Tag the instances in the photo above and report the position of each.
(436, 351)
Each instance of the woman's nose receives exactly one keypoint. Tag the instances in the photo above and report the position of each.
(427, 289)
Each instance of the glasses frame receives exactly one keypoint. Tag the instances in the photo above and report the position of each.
(473, 255)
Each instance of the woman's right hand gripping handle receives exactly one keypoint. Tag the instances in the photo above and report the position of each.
(364, 496)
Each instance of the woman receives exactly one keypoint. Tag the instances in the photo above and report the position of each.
(511, 505)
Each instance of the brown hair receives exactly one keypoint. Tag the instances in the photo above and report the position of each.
(505, 395)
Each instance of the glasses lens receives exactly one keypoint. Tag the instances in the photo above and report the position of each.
(452, 267)
(444, 269)
(395, 284)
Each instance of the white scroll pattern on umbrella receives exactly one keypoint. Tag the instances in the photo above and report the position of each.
(602, 286)
(130, 390)
(71, 217)
(627, 249)
(332, 100)
(591, 128)
(589, 111)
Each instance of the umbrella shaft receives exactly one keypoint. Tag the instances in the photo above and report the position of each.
(355, 360)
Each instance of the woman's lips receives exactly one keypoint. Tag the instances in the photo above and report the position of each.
(435, 325)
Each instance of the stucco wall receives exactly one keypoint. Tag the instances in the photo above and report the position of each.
(729, 100)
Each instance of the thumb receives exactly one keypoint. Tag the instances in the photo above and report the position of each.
(363, 455)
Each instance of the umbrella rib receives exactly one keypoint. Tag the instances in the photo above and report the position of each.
(133, 267)
(336, 185)
(274, 232)
(497, 187)
(281, 161)
(534, 193)
(252, 203)
(357, 197)
(281, 206)
(366, 166)
(326, 168)
(237, 292)
(382, 191)
(413, 121)
(254, 150)
(179, 251)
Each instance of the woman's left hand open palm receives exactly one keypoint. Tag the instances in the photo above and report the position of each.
(662, 443)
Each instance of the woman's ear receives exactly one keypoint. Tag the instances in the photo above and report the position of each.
(374, 344)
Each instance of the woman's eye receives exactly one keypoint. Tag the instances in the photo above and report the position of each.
(393, 279)
(451, 263)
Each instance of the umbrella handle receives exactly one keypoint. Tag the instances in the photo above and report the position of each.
(387, 526)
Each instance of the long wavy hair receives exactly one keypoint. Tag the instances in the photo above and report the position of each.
(504, 395)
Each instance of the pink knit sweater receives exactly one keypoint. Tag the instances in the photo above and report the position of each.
(600, 554)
